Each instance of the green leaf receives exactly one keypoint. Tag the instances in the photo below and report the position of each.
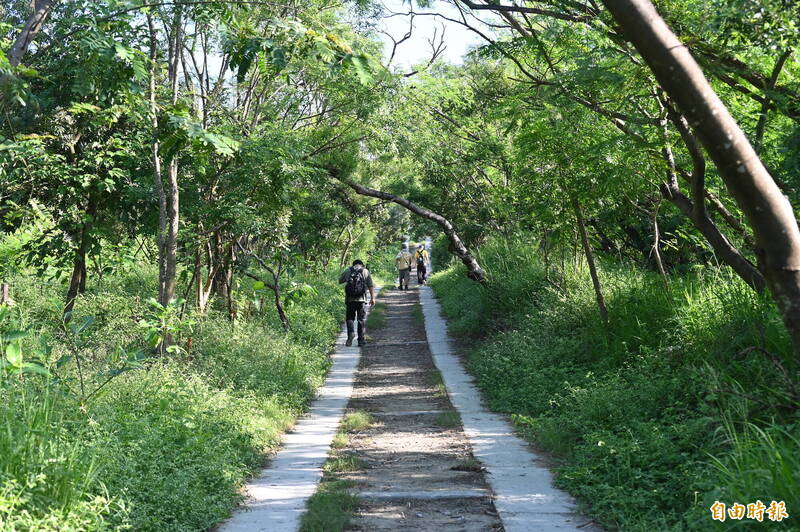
(85, 323)
(10, 336)
(259, 285)
(35, 367)
(14, 354)
(363, 71)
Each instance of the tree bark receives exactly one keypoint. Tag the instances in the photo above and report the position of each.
(279, 307)
(724, 249)
(170, 249)
(172, 192)
(587, 249)
(41, 8)
(5, 293)
(767, 210)
(656, 249)
(474, 270)
(346, 250)
(77, 281)
(156, 158)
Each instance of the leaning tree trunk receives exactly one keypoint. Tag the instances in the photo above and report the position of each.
(41, 8)
(587, 249)
(276, 290)
(766, 208)
(474, 270)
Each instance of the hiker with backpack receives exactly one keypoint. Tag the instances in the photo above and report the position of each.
(422, 262)
(403, 262)
(357, 281)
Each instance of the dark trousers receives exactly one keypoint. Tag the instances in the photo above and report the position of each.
(355, 310)
(422, 272)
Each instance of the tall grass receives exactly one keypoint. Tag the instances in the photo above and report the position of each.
(634, 411)
(47, 474)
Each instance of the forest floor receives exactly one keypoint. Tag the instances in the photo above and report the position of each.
(416, 470)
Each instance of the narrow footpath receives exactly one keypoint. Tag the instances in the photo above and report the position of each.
(420, 474)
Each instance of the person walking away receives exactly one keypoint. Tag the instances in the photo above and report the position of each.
(357, 281)
(403, 262)
(422, 259)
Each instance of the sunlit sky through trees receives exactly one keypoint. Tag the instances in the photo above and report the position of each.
(417, 49)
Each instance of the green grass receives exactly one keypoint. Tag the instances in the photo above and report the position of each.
(376, 319)
(356, 421)
(468, 464)
(417, 314)
(344, 463)
(340, 440)
(651, 420)
(450, 419)
(330, 508)
(163, 448)
(436, 380)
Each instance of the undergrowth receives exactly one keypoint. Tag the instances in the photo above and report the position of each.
(168, 443)
(680, 402)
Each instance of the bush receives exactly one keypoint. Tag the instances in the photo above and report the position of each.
(635, 411)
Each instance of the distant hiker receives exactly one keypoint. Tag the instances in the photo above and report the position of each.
(357, 281)
(422, 259)
(403, 262)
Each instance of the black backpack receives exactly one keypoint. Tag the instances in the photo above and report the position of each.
(356, 284)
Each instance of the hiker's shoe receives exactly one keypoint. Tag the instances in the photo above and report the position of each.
(349, 341)
(361, 343)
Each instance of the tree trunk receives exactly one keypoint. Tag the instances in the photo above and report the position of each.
(169, 256)
(5, 293)
(230, 263)
(346, 250)
(77, 281)
(41, 8)
(156, 159)
(587, 249)
(766, 208)
(474, 270)
(276, 289)
(656, 250)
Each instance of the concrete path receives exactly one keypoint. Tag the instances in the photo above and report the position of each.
(277, 498)
(524, 495)
(415, 471)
